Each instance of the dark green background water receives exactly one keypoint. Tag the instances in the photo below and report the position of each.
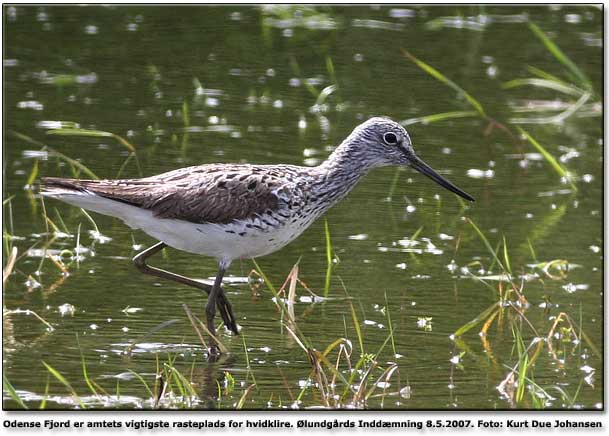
(131, 71)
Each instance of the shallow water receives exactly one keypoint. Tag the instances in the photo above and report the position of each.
(193, 85)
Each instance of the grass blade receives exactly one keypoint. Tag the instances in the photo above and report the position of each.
(324, 94)
(149, 333)
(10, 263)
(267, 282)
(572, 109)
(73, 162)
(561, 57)
(471, 324)
(214, 338)
(91, 134)
(33, 174)
(323, 359)
(487, 244)
(428, 119)
(43, 403)
(244, 396)
(544, 83)
(548, 157)
(296, 338)
(358, 329)
(390, 324)
(505, 256)
(91, 220)
(330, 69)
(84, 368)
(12, 392)
(543, 74)
(194, 325)
(445, 80)
(64, 382)
(328, 259)
(120, 170)
(26, 138)
(142, 381)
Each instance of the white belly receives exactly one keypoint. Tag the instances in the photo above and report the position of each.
(225, 242)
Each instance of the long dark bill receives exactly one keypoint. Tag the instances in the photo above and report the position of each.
(423, 168)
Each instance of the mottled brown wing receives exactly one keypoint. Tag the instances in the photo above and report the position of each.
(205, 194)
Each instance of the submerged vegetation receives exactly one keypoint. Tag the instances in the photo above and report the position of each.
(488, 289)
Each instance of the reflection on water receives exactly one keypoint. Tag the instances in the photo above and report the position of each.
(404, 266)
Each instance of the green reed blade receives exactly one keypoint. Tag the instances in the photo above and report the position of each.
(64, 382)
(348, 386)
(26, 138)
(532, 250)
(481, 317)
(394, 183)
(33, 174)
(561, 57)
(548, 157)
(120, 170)
(544, 83)
(572, 109)
(91, 220)
(522, 373)
(492, 265)
(390, 324)
(330, 69)
(186, 385)
(84, 368)
(43, 403)
(297, 72)
(324, 94)
(428, 119)
(382, 347)
(445, 80)
(247, 356)
(334, 344)
(142, 381)
(487, 244)
(267, 282)
(80, 132)
(593, 347)
(544, 74)
(358, 329)
(505, 256)
(185, 114)
(73, 162)
(174, 375)
(123, 141)
(91, 134)
(149, 333)
(12, 392)
(241, 401)
(61, 221)
(328, 259)
(335, 371)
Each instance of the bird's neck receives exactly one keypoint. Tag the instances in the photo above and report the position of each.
(339, 174)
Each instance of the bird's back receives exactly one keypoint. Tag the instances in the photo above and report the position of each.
(214, 193)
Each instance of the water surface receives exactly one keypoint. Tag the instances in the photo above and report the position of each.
(194, 85)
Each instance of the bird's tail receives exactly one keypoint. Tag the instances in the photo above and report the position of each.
(80, 193)
(58, 187)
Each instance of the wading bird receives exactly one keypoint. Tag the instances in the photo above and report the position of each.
(240, 211)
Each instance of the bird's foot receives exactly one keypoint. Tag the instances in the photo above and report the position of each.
(226, 311)
(213, 351)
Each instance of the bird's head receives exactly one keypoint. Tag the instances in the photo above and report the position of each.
(385, 142)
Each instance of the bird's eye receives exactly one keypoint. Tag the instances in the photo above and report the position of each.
(390, 138)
